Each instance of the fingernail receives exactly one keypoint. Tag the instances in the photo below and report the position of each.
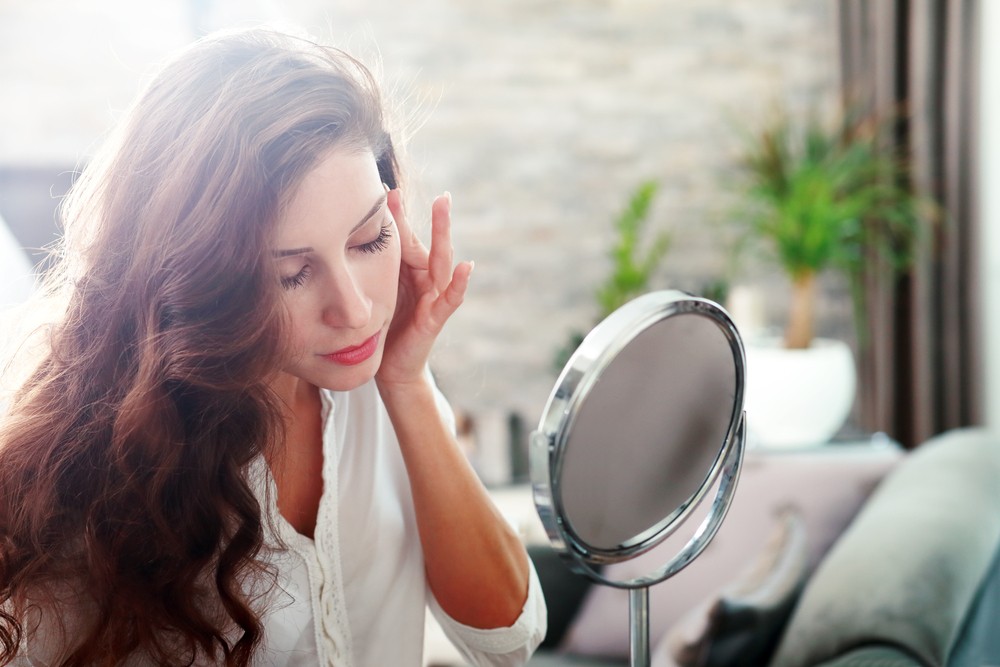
(472, 266)
(448, 195)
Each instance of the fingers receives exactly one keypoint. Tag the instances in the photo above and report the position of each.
(443, 307)
(411, 248)
(446, 284)
(442, 254)
(455, 292)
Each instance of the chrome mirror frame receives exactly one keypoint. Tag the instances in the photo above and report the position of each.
(548, 444)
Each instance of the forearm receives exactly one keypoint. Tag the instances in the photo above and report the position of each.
(476, 566)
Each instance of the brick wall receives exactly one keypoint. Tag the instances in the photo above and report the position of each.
(544, 115)
(539, 116)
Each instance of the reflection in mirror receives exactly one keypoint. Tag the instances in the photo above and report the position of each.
(649, 432)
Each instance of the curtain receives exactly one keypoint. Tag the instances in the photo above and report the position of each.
(920, 372)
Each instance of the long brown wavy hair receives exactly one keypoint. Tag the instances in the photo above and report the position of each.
(125, 504)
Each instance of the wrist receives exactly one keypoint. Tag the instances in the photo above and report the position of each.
(395, 390)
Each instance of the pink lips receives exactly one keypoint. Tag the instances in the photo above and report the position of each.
(350, 356)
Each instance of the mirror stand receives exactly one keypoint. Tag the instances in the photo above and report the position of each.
(644, 422)
(638, 596)
(582, 559)
(638, 622)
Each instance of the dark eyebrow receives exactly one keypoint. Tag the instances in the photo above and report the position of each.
(278, 254)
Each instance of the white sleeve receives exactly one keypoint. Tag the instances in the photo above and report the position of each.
(499, 647)
(45, 639)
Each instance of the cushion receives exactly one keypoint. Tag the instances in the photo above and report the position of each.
(563, 590)
(825, 485)
(906, 571)
(978, 642)
(875, 656)
(742, 623)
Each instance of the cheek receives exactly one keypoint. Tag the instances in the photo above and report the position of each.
(390, 273)
(395, 260)
(378, 278)
(297, 317)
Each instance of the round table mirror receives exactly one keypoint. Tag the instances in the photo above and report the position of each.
(643, 426)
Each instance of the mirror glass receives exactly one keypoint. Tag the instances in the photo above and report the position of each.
(648, 433)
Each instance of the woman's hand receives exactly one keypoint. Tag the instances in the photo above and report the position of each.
(430, 290)
(476, 567)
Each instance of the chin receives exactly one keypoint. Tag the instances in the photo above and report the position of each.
(346, 378)
(344, 383)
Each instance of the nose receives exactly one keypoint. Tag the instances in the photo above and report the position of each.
(346, 305)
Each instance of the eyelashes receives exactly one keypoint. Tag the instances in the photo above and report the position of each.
(379, 244)
(298, 279)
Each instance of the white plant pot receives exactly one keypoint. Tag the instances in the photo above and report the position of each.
(798, 398)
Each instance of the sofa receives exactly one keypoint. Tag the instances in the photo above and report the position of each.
(838, 556)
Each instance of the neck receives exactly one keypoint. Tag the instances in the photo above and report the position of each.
(302, 408)
(294, 392)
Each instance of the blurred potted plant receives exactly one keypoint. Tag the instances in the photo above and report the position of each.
(631, 269)
(821, 197)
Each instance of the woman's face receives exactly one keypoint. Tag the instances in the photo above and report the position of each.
(338, 256)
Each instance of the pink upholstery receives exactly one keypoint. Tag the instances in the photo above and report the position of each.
(827, 485)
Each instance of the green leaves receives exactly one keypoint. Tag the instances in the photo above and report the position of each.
(828, 197)
(832, 197)
(631, 268)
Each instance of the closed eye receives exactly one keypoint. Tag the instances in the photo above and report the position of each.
(291, 282)
(379, 243)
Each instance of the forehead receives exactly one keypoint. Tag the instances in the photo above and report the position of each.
(333, 196)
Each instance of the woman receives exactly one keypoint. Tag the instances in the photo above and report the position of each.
(231, 451)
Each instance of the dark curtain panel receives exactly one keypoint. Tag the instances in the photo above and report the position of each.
(917, 61)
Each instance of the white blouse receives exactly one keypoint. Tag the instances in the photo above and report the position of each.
(357, 595)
